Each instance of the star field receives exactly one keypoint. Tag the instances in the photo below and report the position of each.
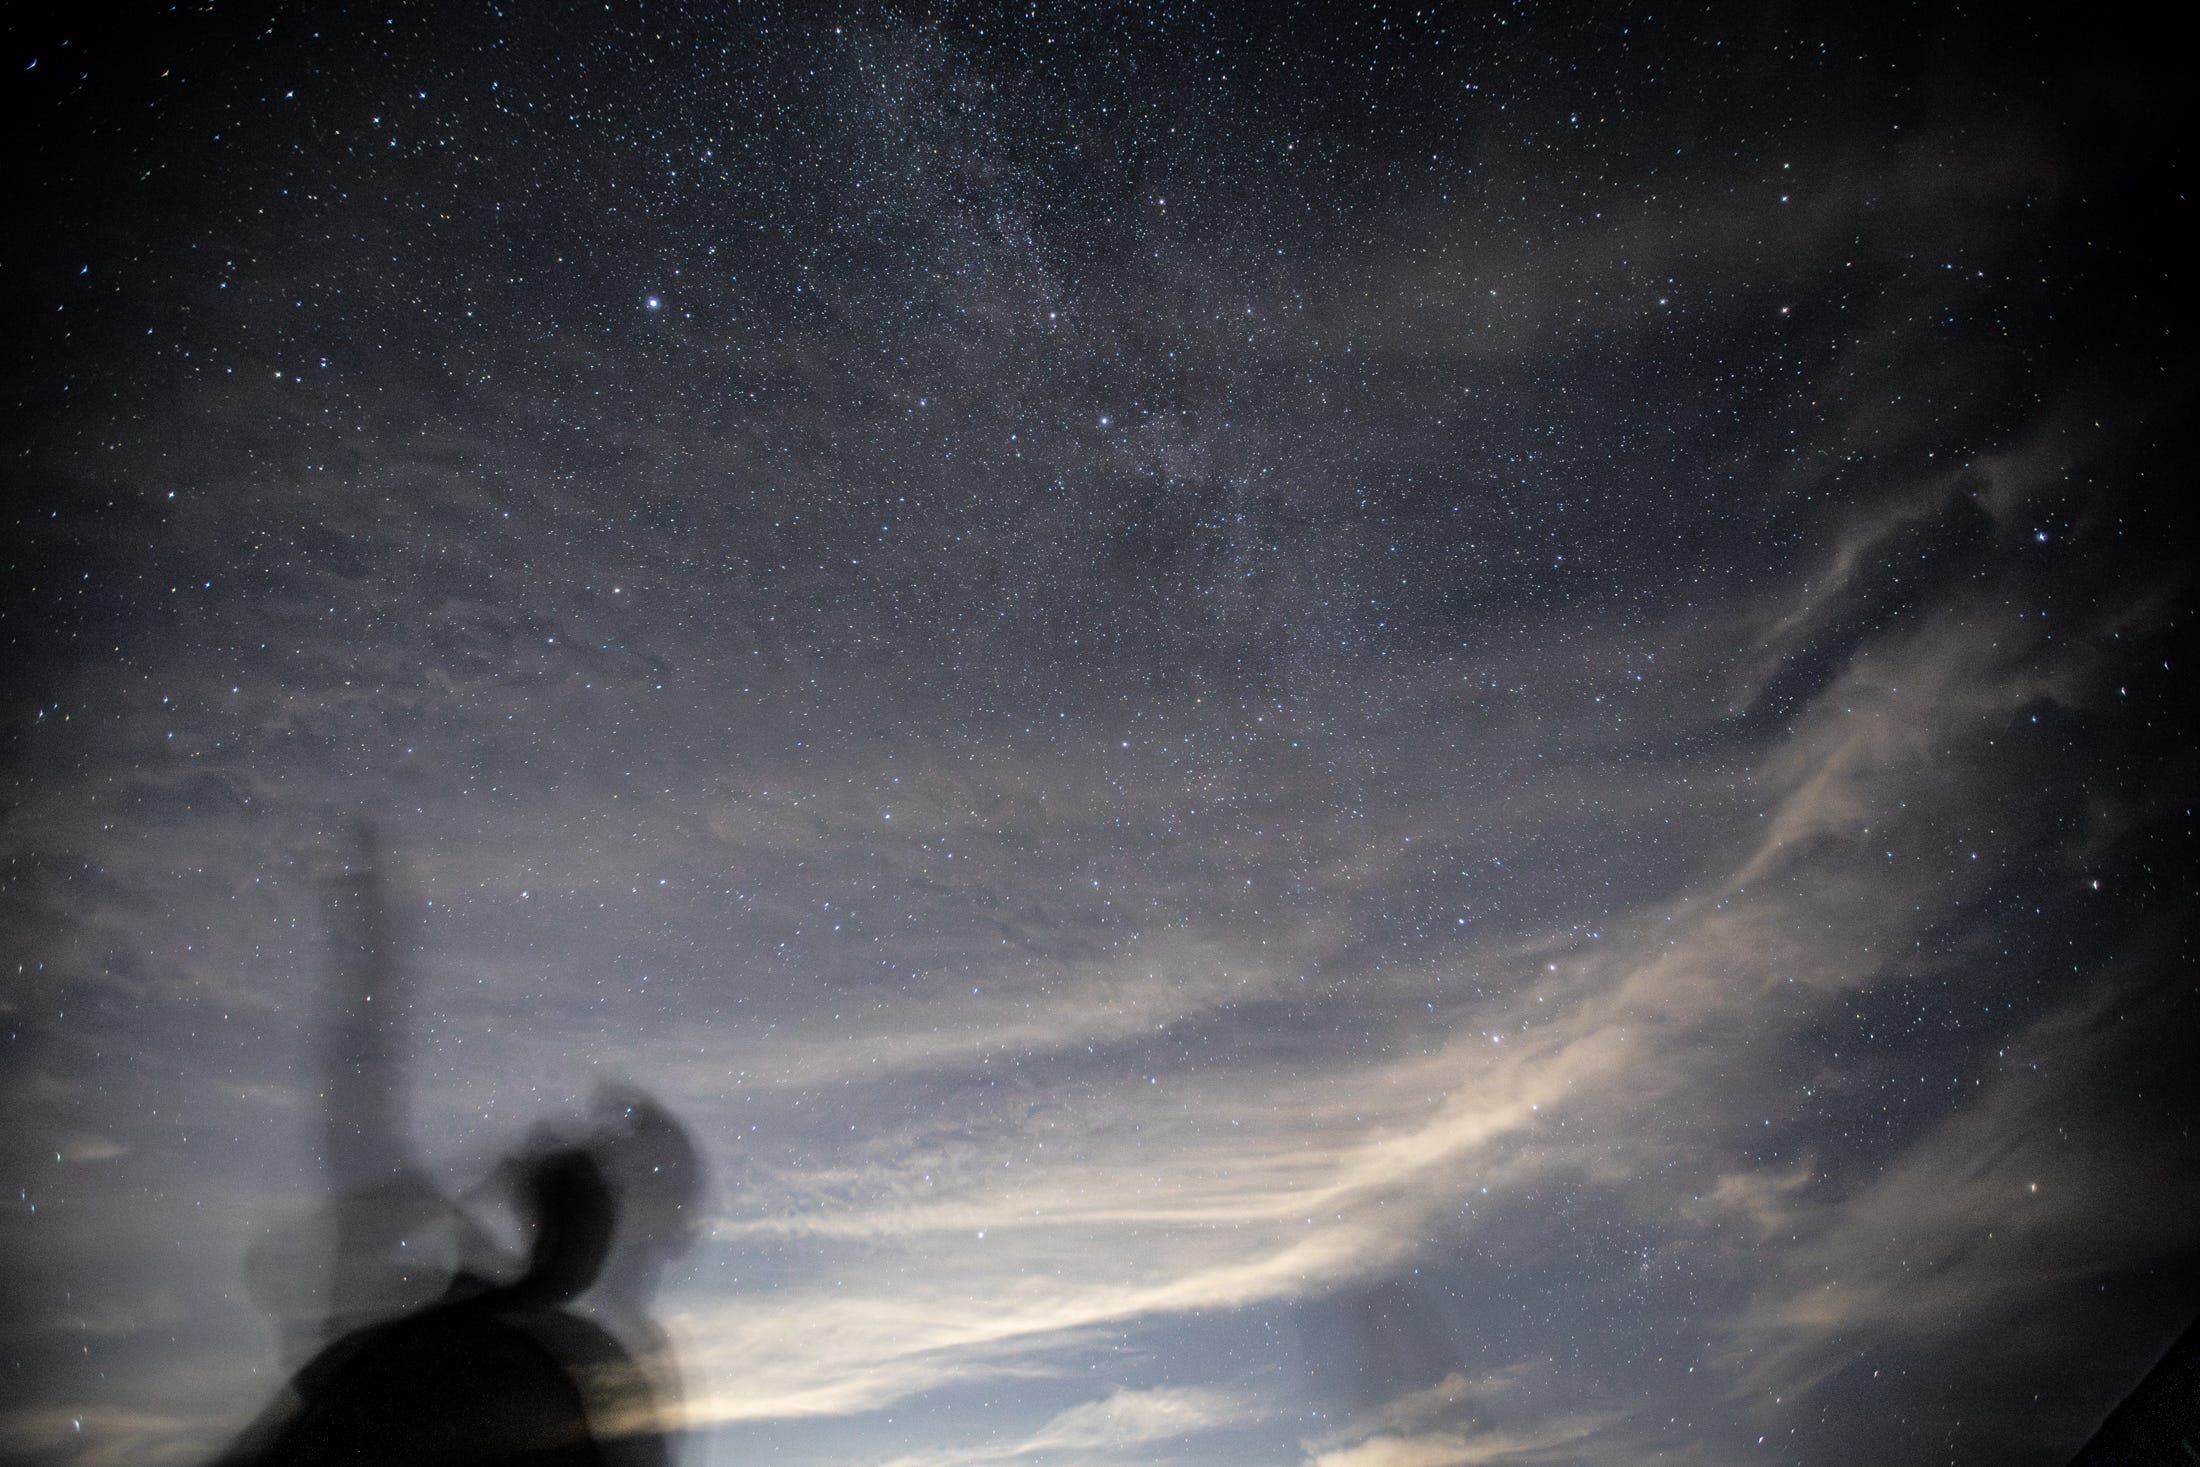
(1353, 736)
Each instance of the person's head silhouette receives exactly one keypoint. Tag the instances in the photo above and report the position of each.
(657, 1175)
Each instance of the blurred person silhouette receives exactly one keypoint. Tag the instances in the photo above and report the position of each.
(430, 1341)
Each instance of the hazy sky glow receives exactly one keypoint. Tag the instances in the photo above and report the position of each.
(1362, 741)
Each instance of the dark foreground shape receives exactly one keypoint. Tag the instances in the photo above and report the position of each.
(417, 1356)
(2159, 1422)
(488, 1377)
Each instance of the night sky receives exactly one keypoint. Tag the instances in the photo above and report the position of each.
(1360, 738)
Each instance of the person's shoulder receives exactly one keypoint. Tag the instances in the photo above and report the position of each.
(615, 1390)
(461, 1382)
(568, 1335)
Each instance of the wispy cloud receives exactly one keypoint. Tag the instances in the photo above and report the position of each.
(1123, 1426)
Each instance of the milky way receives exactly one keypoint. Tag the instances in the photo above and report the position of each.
(1375, 738)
